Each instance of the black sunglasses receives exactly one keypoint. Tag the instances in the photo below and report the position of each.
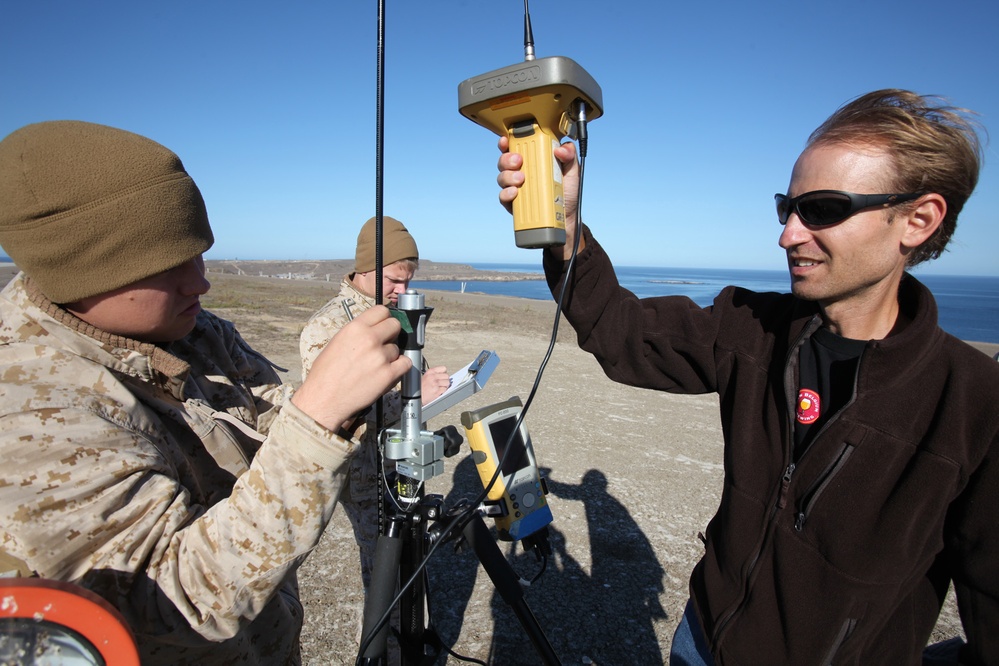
(821, 208)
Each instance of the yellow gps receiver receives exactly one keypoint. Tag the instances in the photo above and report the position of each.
(518, 493)
(534, 103)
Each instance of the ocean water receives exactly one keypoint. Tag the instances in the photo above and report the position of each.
(968, 305)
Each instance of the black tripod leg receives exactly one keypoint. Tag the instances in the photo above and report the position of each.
(508, 584)
(378, 602)
(411, 605)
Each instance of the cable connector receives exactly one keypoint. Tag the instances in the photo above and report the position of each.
(538, 542)
(580, 120)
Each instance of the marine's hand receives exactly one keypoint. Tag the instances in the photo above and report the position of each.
(511, 179)
(435, 381)
(360, 364)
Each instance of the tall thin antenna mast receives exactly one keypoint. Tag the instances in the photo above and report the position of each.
(380, 152)
(379, 214)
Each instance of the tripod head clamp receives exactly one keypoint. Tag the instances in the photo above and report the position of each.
(419, 454)
(413, 315)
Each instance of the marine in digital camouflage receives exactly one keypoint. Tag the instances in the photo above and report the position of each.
(360, 494)
(178, 481)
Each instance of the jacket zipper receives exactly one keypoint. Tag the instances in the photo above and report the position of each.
(845, 632)
(811, 496)
(785, 484)
(781, 502)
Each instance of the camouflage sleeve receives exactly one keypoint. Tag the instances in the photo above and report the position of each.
(91, 501)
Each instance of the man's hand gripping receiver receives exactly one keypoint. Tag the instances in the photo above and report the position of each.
(535, 103)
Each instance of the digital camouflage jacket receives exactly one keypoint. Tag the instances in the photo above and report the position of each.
(177, 482)
(360, 493)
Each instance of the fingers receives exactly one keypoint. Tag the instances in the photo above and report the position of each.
(510, 177)
(434, 383)
(382, 324)
(566, 154)
(360, 364)
(375, 350)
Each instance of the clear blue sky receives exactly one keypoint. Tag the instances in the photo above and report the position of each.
(271, 106)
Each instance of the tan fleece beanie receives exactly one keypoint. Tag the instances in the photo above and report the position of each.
(86, 209)
(397, 244)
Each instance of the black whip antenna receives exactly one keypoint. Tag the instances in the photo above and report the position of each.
(528, 34)
(380, 151)
(379, 220)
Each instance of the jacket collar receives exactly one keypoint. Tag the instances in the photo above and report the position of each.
(900, 354)
(143, 359)
(348, 290)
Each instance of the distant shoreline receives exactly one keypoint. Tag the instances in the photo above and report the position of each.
(332, 270)
(437, 270)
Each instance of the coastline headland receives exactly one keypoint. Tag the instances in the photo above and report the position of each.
(331, 270)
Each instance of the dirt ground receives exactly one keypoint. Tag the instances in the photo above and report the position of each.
(634, 476)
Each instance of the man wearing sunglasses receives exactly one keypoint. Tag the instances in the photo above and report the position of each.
(861, 441)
